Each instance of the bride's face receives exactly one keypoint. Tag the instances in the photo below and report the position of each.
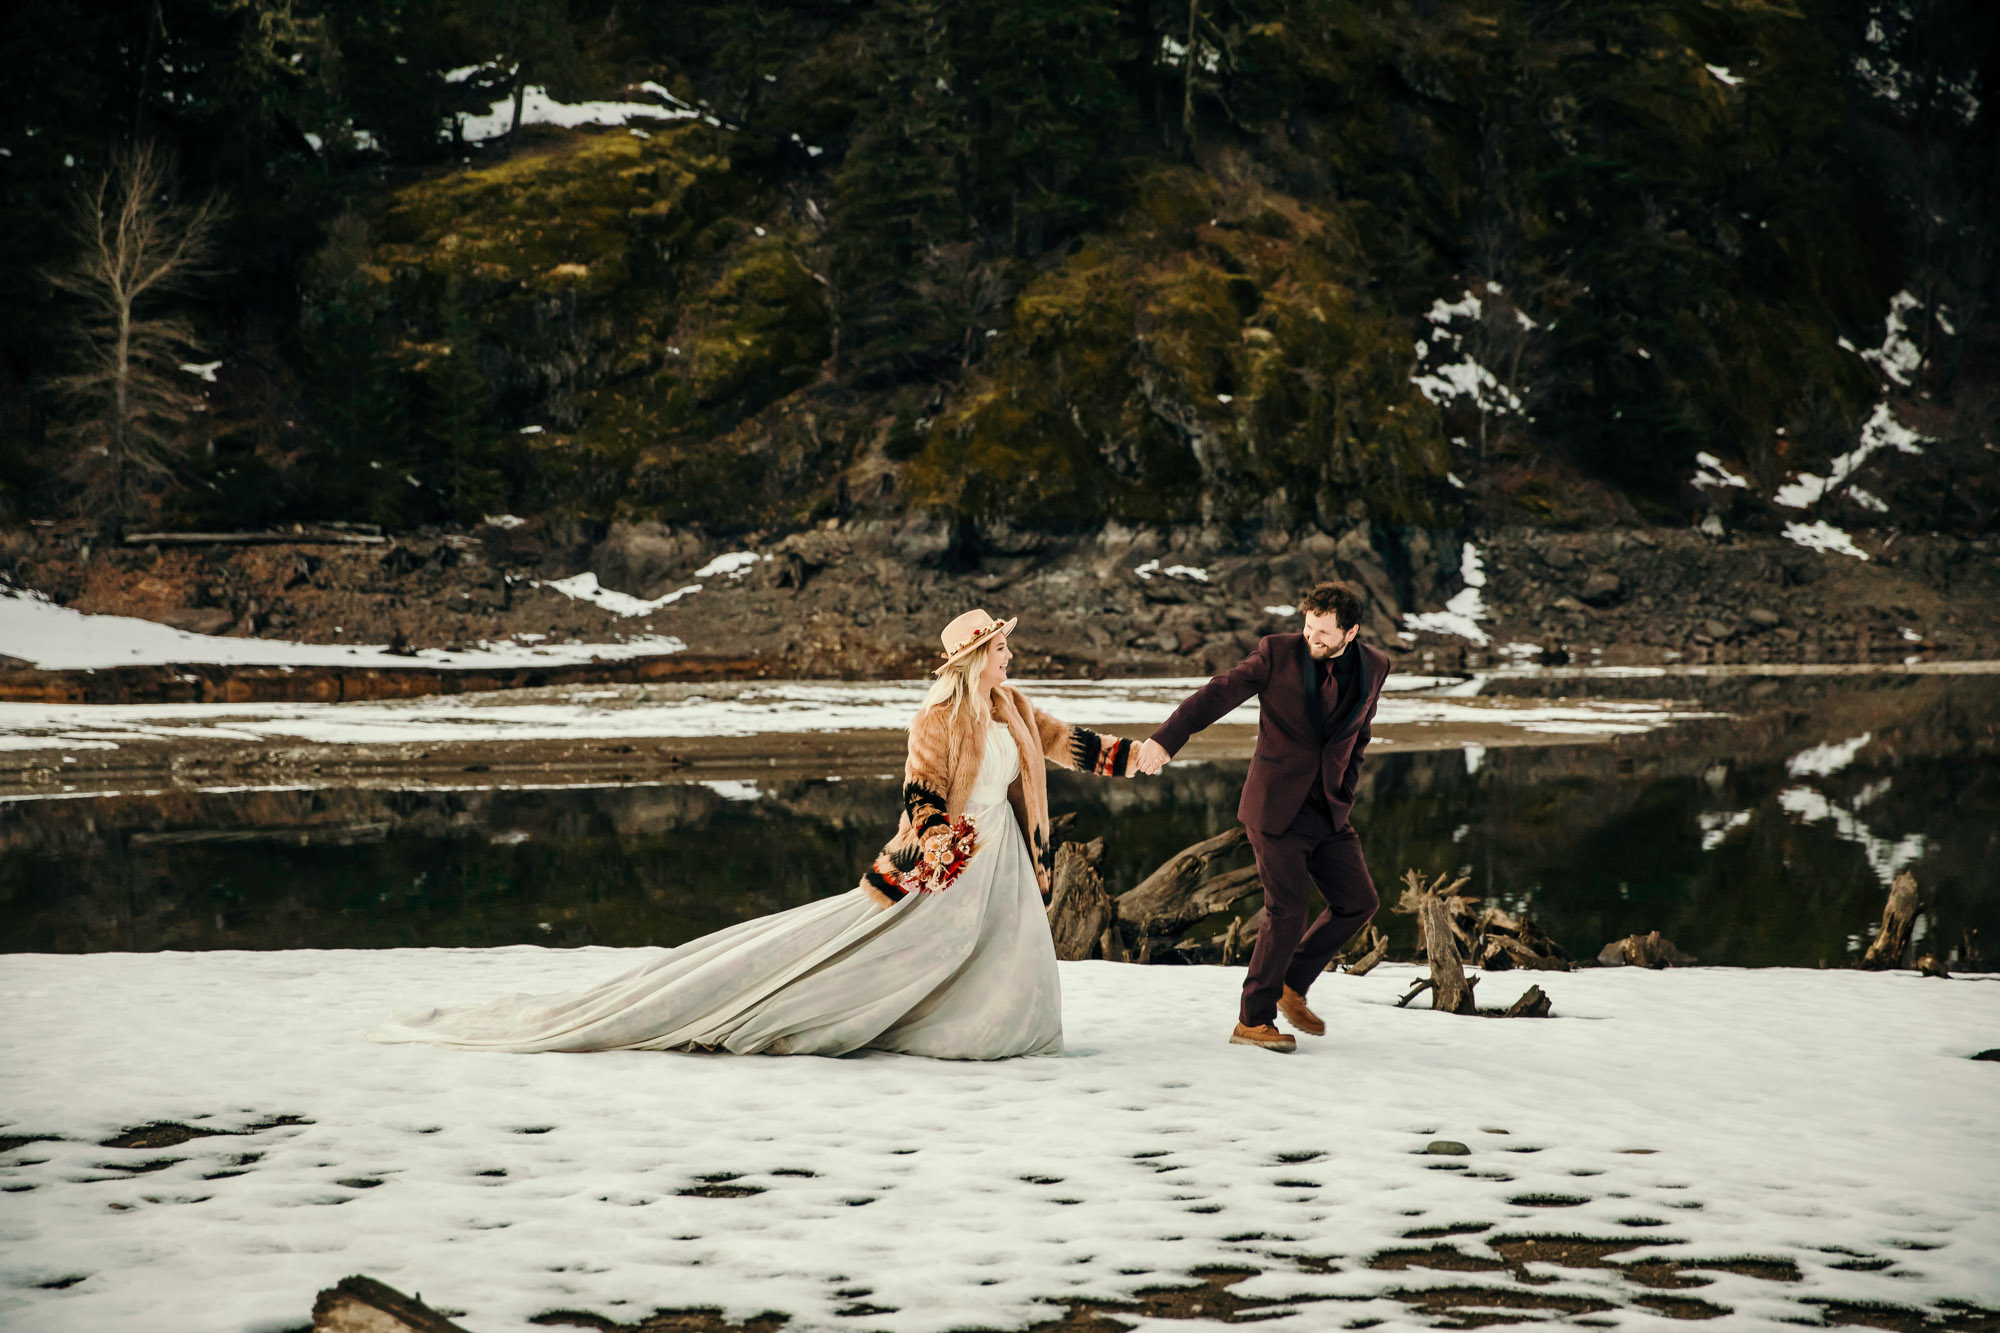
(997, 658)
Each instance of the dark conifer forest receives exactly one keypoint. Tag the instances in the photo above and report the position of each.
(1235, 263)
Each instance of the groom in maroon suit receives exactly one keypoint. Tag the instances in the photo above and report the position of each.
(1316, 693)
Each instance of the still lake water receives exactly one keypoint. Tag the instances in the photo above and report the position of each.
(1764, 839)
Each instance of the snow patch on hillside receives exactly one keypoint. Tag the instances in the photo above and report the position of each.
(1823, 536)
(538, 108)
(586, 588)
(56, 638)
(1467, 607)
(1881, 431)
(1443, 380)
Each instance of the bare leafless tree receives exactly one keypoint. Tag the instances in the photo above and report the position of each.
(136, 244)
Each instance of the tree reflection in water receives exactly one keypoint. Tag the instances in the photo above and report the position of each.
(1720, 836)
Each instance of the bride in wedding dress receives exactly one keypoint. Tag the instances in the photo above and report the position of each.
(934, 953)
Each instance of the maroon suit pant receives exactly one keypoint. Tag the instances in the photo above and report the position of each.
(1289, 952)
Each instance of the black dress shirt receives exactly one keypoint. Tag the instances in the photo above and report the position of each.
(1337, 683)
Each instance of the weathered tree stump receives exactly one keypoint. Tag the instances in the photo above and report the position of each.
(1899, 915)
(1374, 948)
(363, 1305)
(1163, 901)
(1432, 905)
(1648, 950)
(1079, 908)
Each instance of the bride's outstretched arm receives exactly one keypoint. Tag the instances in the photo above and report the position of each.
(1083, 749)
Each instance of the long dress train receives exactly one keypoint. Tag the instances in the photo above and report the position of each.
(968, 973)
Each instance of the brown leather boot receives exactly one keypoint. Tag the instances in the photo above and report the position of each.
(1263, 1035)
(1293, 1006)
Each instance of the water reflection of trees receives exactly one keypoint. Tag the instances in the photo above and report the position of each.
(1690, 832)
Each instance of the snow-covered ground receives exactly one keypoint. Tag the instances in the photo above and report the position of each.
(56, 638)
(1831, 1119)
(779, 708)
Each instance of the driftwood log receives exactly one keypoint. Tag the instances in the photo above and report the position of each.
(1502, 940)
(255, 539)
(363, 1305)
(1649, 950)
(1079, 908)
(1223, 892)
(1164, 901)
(1433, 907)
(1899, 916)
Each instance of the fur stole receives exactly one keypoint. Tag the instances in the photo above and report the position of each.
(943, 764)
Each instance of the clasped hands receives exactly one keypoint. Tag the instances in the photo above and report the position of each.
(1153, 757)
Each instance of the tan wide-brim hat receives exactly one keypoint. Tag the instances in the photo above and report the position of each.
(968, 632)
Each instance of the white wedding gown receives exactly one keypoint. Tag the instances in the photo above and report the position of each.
(966, 974)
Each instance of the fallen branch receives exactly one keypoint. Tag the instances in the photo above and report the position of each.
(1899, 916)
(1375, 949)
(1423, 984)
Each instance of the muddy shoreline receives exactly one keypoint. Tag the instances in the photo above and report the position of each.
(1759, 707)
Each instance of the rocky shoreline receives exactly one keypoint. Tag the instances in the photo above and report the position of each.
(862, 600)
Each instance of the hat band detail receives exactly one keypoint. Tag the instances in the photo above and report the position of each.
(977, 635)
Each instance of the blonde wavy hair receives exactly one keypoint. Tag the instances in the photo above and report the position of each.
(957, 682)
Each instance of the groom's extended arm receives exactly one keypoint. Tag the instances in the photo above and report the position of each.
(1215, 700)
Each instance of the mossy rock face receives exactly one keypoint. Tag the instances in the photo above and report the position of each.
(619, 296)
(758, 332)
(1234, 347)
(781, 468)
(563, 258)
(1210, 355)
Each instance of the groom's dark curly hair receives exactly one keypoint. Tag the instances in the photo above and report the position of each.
(1342, 599)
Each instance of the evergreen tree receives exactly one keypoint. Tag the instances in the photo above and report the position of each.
(1048, 113)
(456, 431)
(896, 199)
(358, 386)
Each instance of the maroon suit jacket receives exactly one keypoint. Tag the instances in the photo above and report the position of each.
(1293, 749)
